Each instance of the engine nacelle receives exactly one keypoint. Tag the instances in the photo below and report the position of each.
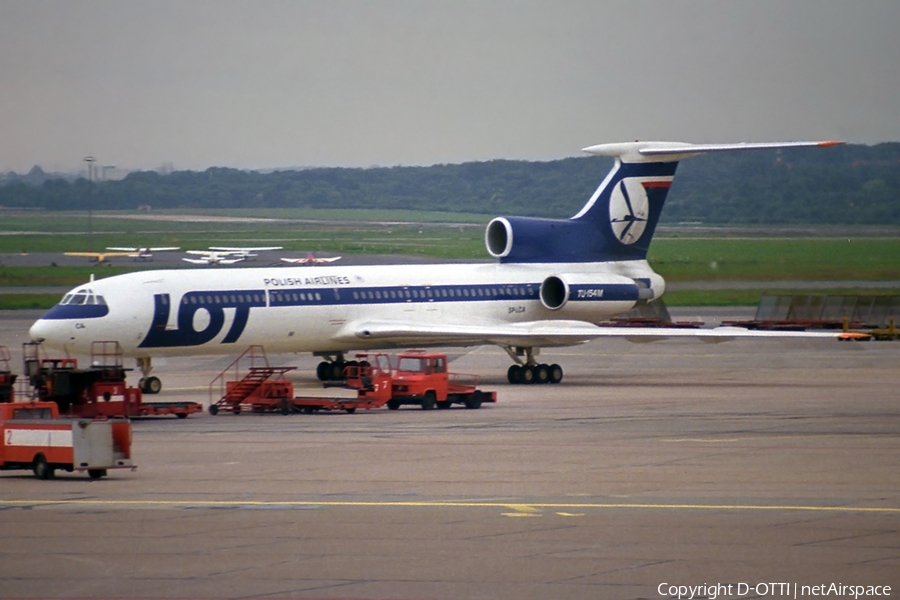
(592, 297)
(523, 240)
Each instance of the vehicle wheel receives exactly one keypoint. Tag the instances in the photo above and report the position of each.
(152, 385)
(96, 473)
(237, 409)
(213, 409)
(307, 410)
(556, 373)
(444, 405)
(429, 401)
(541, 374)
(41, 469)
(393, 404)
(181, 415)
(514, 374)
(528, 374)
(475, 401)
(350, 411)
(286, 406)
(322, 370)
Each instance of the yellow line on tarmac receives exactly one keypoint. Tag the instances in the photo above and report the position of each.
(531, 507)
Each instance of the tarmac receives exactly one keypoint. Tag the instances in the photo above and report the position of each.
(651, 466)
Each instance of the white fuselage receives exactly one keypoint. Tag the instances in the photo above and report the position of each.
(318, 309)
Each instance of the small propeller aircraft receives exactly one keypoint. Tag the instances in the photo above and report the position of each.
(311, 259)
(143, 253)
(246, 253)
(213, 257)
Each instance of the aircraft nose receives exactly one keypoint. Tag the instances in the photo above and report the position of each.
(41, 330)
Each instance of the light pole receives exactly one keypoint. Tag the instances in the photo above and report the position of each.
(90, 163)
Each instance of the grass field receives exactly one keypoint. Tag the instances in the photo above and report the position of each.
(709, 257)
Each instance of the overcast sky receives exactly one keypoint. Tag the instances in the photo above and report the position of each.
(267, 84)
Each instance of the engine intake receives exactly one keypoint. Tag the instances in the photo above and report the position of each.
(524, 239)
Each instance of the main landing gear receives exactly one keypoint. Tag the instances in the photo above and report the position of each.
(528, 370)
(148, 385)
(332, 369)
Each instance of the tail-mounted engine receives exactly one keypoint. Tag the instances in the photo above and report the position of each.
(593, 297)
(528, 240)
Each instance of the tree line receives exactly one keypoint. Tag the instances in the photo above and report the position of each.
(851, 184)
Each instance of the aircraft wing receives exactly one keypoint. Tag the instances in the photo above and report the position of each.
(245, 249)
(197, 261)
(164, 248)
(548, 333)
(100, 256)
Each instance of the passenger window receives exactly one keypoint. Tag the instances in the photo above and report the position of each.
(318, 297)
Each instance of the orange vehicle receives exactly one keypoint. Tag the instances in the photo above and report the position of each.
(35, 437)
(422, 378)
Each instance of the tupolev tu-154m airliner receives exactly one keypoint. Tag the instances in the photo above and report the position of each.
(553, 280)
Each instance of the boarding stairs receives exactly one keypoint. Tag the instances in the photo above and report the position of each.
(230, 389)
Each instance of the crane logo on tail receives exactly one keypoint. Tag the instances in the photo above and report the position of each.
(628, 210)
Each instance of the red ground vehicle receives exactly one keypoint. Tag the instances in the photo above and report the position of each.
(421, 378)
(99, 390)
(35, 437)
(7, 377)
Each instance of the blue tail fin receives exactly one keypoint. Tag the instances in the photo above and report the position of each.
(619, 220)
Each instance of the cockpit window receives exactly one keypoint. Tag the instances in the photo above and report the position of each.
(82, 297)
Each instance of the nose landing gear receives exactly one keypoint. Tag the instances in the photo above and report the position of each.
(148, 385)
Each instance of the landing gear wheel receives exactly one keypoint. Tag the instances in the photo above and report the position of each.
(541, 374)
(322, 370)
(41, 469)
(429, 401)
(213, 409)
(556, 373)
(152, 385)
(337, 371)
(96, 473)
(514, 374)
(528, 374)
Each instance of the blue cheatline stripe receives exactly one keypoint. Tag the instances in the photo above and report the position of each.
(444, 293)
(77, 311)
